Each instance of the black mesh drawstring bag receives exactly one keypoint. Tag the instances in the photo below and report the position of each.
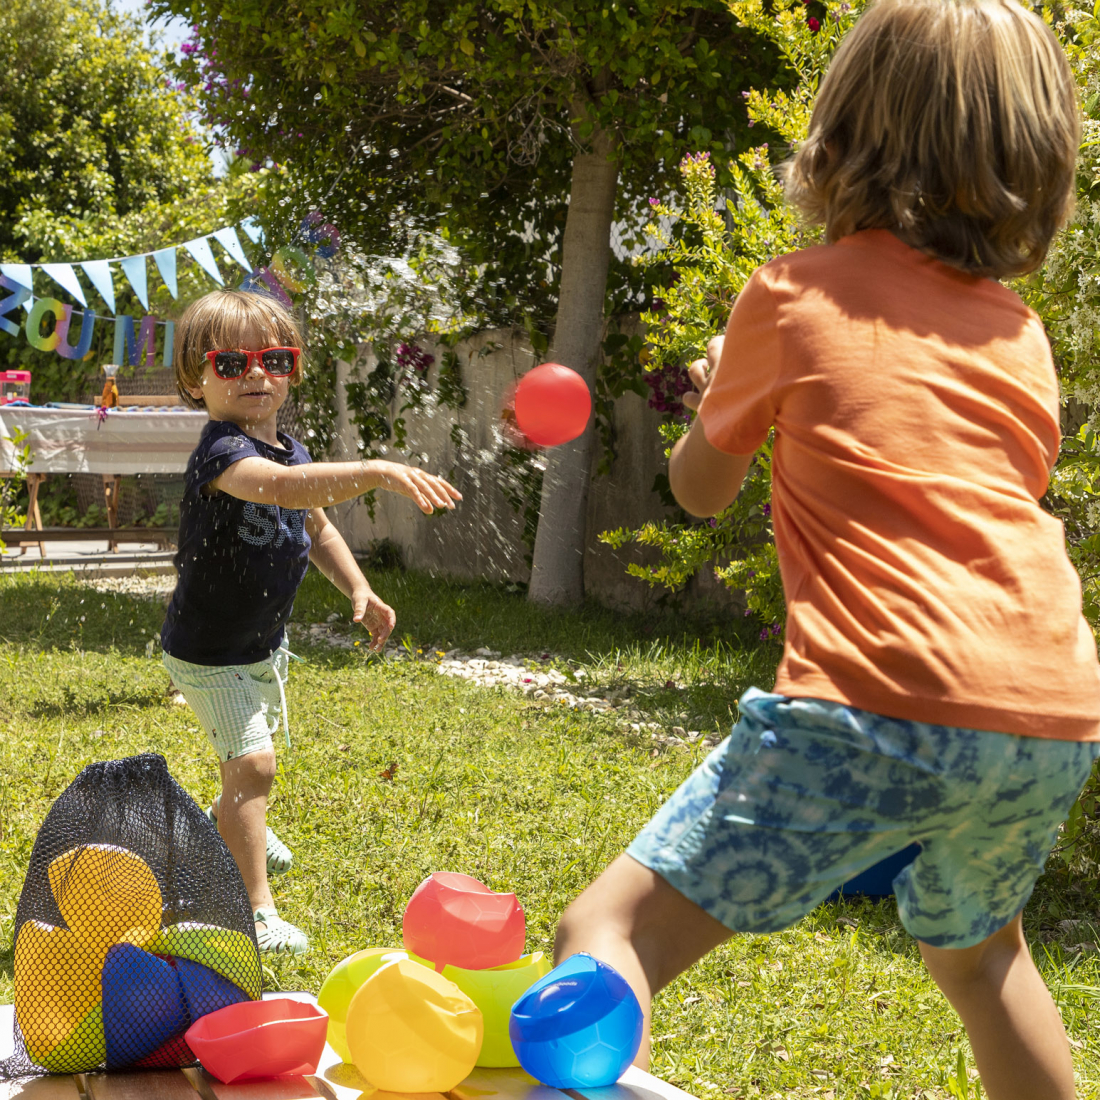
(133, 922)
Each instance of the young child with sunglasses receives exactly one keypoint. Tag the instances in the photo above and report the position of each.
(939, 683)
(251, 519)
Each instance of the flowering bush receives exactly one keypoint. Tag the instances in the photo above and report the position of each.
(713, 248)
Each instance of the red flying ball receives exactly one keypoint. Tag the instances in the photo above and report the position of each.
(552, 404)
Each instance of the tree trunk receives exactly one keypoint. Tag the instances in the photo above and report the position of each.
(557, 569)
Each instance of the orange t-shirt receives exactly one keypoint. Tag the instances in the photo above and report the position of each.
(916, 421)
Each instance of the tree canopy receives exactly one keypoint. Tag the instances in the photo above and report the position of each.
(469, 114)
(88, 126)
(522, 130)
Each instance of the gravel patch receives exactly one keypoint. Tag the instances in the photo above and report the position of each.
(151, 587)
(533, 676)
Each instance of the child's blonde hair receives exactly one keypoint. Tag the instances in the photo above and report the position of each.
(221, 320)
(952, 123)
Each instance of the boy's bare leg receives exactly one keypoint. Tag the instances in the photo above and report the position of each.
(1009, 1015)
(647, 930)
(242, 819)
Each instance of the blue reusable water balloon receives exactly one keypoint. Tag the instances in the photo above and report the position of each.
(143, 1004)
(578, 1027)
(204, 990)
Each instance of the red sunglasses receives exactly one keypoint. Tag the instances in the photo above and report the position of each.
(274, 362)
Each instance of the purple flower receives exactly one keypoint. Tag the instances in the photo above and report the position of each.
(776, 629)
(767, 509)
(750, 574)
(414, 356)
(667, 385)
(764, 634)
(654, 202)
(713, 521)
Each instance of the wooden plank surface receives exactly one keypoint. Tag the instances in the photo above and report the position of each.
(506, 1084)
(635, 1084)
(40, 1088)
(278, 1088)
(337, 1080)
(147, 1085)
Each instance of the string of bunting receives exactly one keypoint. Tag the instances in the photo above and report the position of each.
(134, 268)
(289, 272)
(130, 345)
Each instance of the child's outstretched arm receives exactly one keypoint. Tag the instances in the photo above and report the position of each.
(704, 480)
(319, 484)
(331, 555)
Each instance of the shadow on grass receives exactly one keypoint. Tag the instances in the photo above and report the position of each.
(49, 612)
(46, 612)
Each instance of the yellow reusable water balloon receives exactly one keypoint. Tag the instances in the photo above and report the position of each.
(106, 893)
(226, 951)
(341, 984)
(86, 1046)
(494, 991)
(409, 1029)
(57, 984)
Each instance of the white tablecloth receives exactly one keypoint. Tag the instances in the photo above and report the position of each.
(76, 441)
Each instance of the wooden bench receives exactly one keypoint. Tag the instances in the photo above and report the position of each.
(20, 536)
(333, 1081)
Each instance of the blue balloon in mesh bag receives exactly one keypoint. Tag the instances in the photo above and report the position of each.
(578, 1027)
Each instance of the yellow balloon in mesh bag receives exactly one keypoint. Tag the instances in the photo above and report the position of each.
(107, 894)
(409, 1029)
(340, 986)
(57, 986)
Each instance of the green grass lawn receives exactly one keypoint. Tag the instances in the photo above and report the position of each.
(526, 798)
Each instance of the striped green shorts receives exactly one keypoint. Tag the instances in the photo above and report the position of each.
(239, 706)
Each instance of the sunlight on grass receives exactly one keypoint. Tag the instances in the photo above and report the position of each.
(522, 796)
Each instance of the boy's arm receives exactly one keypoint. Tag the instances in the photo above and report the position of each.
(703, 479)
(318, 484)
(331, 555)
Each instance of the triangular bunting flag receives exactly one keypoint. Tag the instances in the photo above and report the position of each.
(65, 277)
(166, 265)
(133, 268)
(252, 228)
(228, 239)
(99, 271)
(18, 273)
(200, 251)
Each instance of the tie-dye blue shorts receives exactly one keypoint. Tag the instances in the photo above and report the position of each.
(805, 794)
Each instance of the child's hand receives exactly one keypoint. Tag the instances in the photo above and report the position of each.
(426, 490)
(377, 617)
(699, 373)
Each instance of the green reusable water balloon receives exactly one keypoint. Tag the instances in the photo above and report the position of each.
(494, 991)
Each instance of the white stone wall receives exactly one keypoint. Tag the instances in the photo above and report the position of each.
(483, 537)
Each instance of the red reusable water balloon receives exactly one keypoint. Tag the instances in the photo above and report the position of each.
(552, 404)
(455, 919)
(257, 1039)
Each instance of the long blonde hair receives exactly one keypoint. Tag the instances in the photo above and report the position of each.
(954, 124)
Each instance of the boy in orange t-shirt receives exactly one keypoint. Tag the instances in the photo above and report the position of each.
(939, 684)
